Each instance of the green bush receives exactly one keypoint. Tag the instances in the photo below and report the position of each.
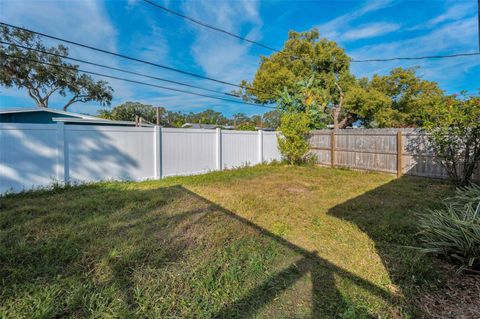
(454, 230)
(246, 127)
(292, 143)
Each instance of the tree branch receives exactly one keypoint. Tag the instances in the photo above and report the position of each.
(74, 99)
(70, 102)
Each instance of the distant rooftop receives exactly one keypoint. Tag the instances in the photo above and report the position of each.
(44, 109)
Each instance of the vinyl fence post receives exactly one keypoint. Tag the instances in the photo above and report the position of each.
(62, 170)
(399, 153)
(260, 146)
(332, 149)
(219, 148)
(157, 151)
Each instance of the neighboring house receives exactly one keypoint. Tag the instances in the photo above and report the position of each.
(37, 115)
(40, 115)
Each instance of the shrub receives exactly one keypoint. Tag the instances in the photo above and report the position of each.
(292, 143)
(454, 135)
(454, 230)
(246, 127)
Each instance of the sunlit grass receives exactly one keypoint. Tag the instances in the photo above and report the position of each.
(268, 242)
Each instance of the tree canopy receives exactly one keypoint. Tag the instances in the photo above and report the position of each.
(44, 72)
(312, 75)
(314, 67)
(129, 110)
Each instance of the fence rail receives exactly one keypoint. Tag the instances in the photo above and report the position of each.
(398, 151)
(33, 155)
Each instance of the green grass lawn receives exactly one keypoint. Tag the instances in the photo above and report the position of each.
(263, 242)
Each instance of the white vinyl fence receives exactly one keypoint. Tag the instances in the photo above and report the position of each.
(33, 155)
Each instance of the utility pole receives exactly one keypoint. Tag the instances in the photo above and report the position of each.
(158, 115)
(478, 23)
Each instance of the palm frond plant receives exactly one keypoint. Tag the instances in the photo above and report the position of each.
(453, 231)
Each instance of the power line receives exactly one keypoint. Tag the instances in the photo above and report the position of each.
(115, 69)
(206, 25)
(125, 56)
(140, 82)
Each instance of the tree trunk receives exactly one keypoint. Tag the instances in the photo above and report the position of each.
(336, 114)
(337, 109)
(348, 120)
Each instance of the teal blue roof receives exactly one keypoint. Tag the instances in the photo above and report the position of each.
(36, 115)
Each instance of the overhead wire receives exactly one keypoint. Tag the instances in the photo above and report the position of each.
(141, 83)
(211, 27)
(126, 56)
(115, 68)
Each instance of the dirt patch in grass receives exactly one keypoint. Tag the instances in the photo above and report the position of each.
(295, 188)
(457, 298)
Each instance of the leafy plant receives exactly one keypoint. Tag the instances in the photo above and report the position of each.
(246, 127)
(454, 230)
(293, 143)
(454, 135)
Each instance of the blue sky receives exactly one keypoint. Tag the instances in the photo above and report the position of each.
(366, 29)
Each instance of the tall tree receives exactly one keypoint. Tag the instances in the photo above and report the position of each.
(306, 56)
(239, 118)
(44, 72)
(410, 96)
(271, 119)
(129, 110)
(206, 117)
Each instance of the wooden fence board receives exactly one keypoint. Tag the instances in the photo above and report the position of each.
(377, 150)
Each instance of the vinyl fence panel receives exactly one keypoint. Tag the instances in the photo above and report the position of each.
(35, 155)
(187, 151)
(109, 152)
(239, 148)
(28, 156)
(270, 147)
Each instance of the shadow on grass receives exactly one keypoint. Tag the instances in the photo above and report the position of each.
(388, 215)
(104, 236)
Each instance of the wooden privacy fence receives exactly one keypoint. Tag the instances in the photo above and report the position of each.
(398, 151)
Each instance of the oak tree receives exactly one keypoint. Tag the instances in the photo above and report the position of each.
(27, 63)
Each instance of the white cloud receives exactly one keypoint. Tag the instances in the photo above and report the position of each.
(369, 31)
(454, 37)
(219, 55)
(82, 21)
(336, 27)
(453, 13)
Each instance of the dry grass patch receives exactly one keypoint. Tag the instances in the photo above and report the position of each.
(264, 242)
